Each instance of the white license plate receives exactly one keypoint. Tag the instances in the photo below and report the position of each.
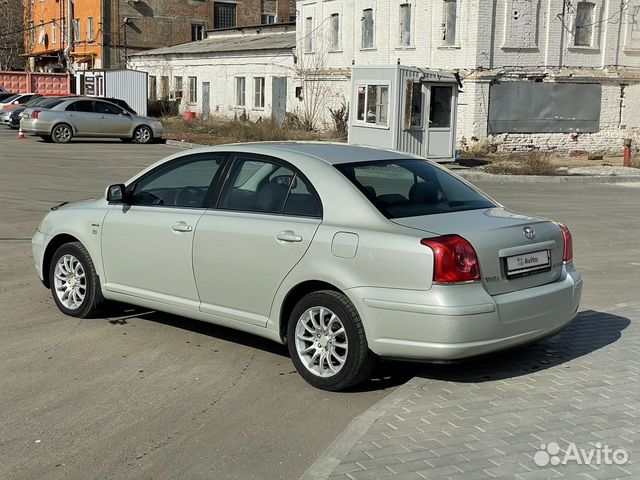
(528, 262)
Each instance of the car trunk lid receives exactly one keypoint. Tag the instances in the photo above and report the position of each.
(497, 234)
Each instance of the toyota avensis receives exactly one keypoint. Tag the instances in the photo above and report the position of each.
(342, 253)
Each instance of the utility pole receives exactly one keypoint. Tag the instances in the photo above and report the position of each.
(67, 51)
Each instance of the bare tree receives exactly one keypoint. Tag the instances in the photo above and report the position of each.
(11, 34)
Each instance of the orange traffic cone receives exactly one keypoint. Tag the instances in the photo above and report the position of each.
(20, 134)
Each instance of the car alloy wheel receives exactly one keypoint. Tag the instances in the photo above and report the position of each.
(142, 135)
(70, 282)
(62, 134)
(321, 341)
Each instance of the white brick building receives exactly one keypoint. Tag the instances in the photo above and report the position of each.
(588, 50)
(242, 72)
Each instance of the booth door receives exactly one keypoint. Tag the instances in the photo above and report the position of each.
(440, 128)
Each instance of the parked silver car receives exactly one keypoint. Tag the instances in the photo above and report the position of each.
(343, 253)
(89, 117)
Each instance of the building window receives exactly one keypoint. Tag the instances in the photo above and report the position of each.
(367, 28)
(240, 89)
(449, 22)
(41, 33)
(405, 24)
(258, 92)
(268, 18)
(164, 88)
(152, 87)
(32, 33)
(583, 32)
(76, 30)
(334, 32)
(373, 104)
(90, 29)
(177, 88)
(54, 32)
(308, 34)
(633, 27)
(197, 32)
(193, 89)
(224, 15)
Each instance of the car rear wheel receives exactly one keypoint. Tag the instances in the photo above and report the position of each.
(74, 282)
(62, 133)
(327, 342)
(143, 134)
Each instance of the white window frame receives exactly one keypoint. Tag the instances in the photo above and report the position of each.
(593, 24)
(403, 43)
(42, 33)
(54, 32)
(270, 18)
(259, 87)
(32, 33)
(193, 90)
(632, 13)
(309, 34)
(240, 95)
(445, 21)
(335, 36)
(373, 30)
(366, 85)
(76, 30)
(177, 92)
(90, 32)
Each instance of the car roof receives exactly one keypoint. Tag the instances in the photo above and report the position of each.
(331, 153)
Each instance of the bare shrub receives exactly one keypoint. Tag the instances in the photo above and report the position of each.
(532, 163)
(340, 117)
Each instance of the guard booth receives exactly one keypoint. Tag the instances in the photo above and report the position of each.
(127, 85)
(404, 108)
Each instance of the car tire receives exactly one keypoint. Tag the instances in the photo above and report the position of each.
(75, 285)
(62, 133)
(320, 326)
(143, 135)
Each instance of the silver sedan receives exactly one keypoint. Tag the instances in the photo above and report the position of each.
(345, 254)
(88, 117)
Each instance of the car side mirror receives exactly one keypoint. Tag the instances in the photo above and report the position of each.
(116, 193)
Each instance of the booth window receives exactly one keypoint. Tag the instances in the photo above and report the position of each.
(413, 105)
(440, 107)
(373, 104)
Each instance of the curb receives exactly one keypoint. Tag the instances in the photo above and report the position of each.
(565, 179)
(185, 145)
(324, 466)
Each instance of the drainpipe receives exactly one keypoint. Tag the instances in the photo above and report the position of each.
(67, 50)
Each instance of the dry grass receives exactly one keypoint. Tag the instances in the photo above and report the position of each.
(532, 163)
(219, 130)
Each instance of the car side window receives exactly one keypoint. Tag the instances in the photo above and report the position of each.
(266, 187)
(183, 184)
(81, 106)
(103, 107)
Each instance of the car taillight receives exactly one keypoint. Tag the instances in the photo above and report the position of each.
(568, 243)
(454, 259)
(35, 114)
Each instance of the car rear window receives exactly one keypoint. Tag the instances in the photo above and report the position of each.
(412, 187)
(51, 102)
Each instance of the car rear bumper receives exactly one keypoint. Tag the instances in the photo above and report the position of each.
(34, 126)
(458, 321)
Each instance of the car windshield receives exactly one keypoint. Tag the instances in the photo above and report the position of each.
(412, 187)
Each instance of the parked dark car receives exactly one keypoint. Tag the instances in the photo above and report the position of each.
(12, 117)
(4, 95)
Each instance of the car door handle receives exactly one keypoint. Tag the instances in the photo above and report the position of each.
(288, 236)
(181, 227)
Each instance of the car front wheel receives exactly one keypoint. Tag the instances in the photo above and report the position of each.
(143, 134)
(327, 342)
(74, 282)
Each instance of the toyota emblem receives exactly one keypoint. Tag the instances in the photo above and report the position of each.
(529, 232)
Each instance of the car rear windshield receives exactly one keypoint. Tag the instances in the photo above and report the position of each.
(51, 102)
(412, 187)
